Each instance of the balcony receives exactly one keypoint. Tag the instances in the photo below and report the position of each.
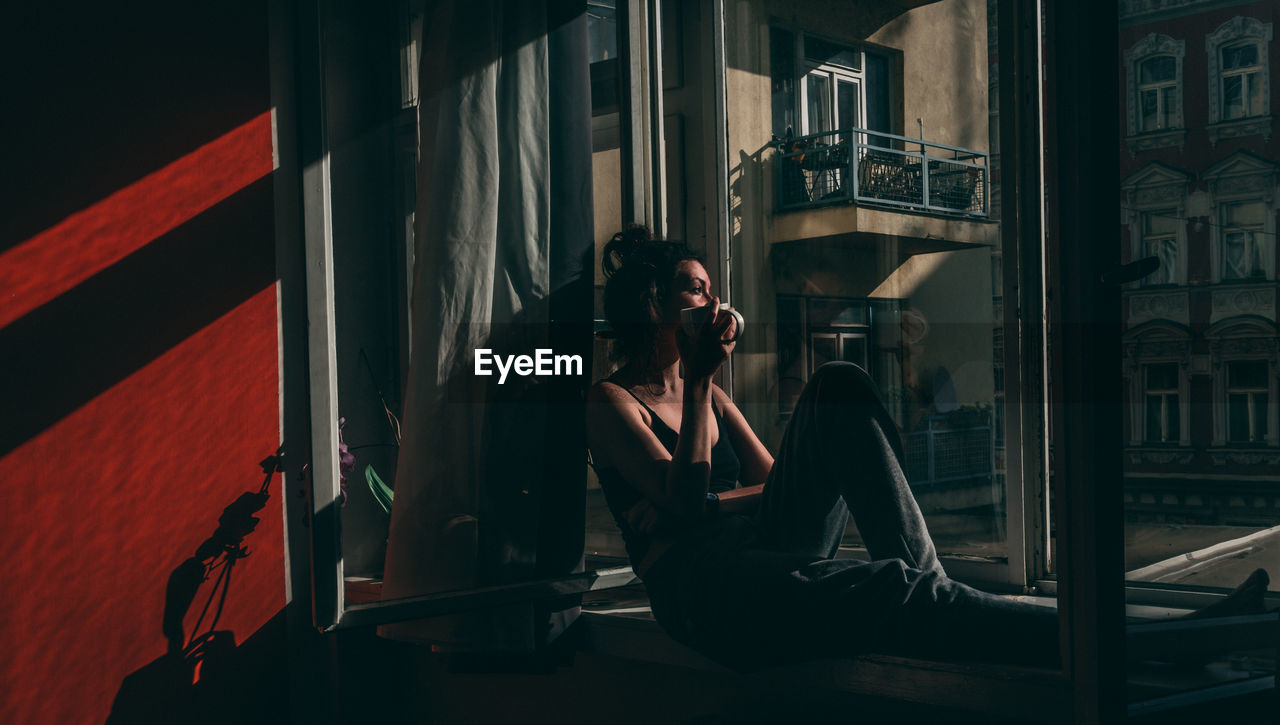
(944, 454)
(868, 167)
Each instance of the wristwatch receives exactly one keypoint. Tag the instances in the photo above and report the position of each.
(712, 508)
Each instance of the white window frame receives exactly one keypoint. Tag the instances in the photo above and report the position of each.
(1250, 394)
(1256, 235)
(1162, 107)
(1237, 339)
(1152, 46)
(1156, 188)
(1141, 249)
(836, 73)
(1241, 177)
(1247, 98)
(1154, 343)
(1164, 393)
(1234, 32)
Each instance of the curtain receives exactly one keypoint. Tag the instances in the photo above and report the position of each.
(490, 481)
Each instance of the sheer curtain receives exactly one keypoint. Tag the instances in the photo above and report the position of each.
(491, 478)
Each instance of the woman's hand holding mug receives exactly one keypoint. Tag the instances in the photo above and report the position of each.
(701, 338)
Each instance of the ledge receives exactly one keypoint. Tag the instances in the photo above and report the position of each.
(1157, 140)
(630, 632)
(1258, 125)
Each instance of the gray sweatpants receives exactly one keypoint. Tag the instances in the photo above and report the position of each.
(751, 592)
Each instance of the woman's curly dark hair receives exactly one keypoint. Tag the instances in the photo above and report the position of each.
(639, 272)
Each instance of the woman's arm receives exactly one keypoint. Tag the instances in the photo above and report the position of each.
(619, 438)
(756, 460)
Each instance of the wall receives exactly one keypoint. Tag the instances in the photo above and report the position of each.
(138, 337)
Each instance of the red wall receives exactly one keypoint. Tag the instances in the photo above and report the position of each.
(139, 350)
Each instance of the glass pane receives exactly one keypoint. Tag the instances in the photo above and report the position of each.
(1247, 374)
(853, 348)
(1150, 110)
(1160, 223)
(1244, 215)
(826, 52)
(602, 30)
(1193, 461)
(1238, 417)
(824, 349)
(1260, 410)
(1172, 419)
(1158, 69)
(1239, 56)
(1237, 252)
(1166, 250)
(819, 102)
(1155, 403)
(878, 92)
(1253, 94)
(847, 104)
(782, 78)
(1162, 377)
(1167, 108)
(1232, 97)
(923, 267)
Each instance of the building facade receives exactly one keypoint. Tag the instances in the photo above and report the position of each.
(1201, 353)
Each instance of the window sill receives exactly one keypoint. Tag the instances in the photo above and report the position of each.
(1245, 454)
(1156, 140)
(626, 629)
(1238, 128)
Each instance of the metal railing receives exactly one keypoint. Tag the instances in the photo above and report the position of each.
(857, 165)
(938, 455)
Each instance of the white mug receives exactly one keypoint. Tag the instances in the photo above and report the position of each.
(692, 317)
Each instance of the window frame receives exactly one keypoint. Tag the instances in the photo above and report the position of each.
(1253, 249)
(1164, 394)
(1237, 31)
(1249, 392)
(1156, 342)
(1143, 250)
(1236, 339)
(1164, 108)
(1156, 189)
(1024, 348)
(1241, 178)
(1152, 46)
(803, 66)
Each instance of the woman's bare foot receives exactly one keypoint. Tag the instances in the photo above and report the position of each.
(1248, 598)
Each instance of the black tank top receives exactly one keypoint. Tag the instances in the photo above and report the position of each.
(621, 496)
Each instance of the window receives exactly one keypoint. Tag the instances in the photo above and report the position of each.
(819, 86)
(1157, 93)
(1248, 396)
(1160, 240)
(1241, 82)
(1161, 404)
(1239, 79)
(1242, 239)
(1153, 70)
(1155, 203)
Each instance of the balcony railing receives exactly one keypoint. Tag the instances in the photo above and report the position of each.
(857, 165)
(939, 455)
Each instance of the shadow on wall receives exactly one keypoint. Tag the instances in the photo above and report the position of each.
(206, 677)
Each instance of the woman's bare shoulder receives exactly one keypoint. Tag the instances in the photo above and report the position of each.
(607, 398)
(721, 398)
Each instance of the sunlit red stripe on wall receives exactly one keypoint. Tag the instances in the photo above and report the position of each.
(47, 265)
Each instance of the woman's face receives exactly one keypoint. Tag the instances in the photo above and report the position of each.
(692, 288)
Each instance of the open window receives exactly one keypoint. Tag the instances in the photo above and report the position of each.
(923, 257)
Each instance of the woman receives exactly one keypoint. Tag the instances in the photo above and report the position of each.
(746, 575)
